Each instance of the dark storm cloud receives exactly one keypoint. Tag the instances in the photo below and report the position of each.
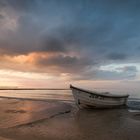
(117, 56)
(100, 32)
(52, 44)
(18, 4)
(98, 26)
(123, 73)
(2, 3)
(70, 64)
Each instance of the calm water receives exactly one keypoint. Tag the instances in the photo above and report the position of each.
(65, 95)
(57, 94)
(38, 94)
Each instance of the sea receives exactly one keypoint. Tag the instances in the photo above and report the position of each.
(64, 95)
(46, 94)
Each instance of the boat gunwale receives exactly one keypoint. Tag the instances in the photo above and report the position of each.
(100, 94)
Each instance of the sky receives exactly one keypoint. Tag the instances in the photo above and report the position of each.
(52, 43)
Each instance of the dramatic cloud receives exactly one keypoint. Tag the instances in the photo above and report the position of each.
(65, 64)
(73, 37)
(116, 56)
(126, 72)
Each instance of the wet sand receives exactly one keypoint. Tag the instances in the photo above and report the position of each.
(56, 120)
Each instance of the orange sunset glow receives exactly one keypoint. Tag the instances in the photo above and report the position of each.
(69, 69)
(40, 46)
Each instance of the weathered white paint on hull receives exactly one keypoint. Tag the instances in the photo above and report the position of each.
(87, 99)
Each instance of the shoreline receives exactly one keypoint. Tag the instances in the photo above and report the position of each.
(35, 99)
(30, 110)
(32, 119)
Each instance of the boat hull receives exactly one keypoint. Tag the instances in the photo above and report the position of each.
(91, 100)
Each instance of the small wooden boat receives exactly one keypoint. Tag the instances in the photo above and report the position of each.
(93, 99)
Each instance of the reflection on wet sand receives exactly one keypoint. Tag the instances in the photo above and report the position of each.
(14, 113)
(63, 121)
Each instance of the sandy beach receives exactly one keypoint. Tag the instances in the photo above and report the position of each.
(57, 120)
